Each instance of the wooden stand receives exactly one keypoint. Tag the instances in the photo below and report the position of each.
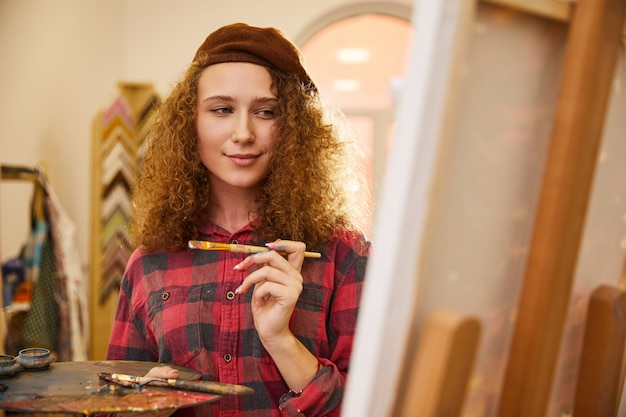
(600, 370)
(118, 133)
(590, 61)
(521, 372)
(442, 368)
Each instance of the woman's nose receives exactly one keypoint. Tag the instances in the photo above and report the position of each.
(242, 131)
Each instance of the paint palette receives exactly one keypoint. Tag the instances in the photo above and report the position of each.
(74, 387)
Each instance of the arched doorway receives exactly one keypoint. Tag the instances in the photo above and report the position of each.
(357, 57)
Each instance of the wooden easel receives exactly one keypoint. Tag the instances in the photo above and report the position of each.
(442, 367)
(590, 60)
(600, 374)
(593, 42)
(591, 54)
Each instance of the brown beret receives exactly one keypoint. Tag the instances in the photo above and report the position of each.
(241, 42)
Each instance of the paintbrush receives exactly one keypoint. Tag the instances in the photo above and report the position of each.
(181, 384)
(233, 247)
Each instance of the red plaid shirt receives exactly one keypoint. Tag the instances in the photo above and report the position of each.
(179, 307)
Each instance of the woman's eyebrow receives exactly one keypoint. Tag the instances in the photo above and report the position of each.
(265, 100)
(220, 97)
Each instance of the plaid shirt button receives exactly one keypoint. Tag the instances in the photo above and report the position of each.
(230, 295)
(228, 357)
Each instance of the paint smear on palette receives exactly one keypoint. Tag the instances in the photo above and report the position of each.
(111, 400)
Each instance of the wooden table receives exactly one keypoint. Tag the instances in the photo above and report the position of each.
(75, 388)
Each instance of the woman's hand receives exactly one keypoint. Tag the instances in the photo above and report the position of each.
(277, 286)
(165, 372)
(156, 372)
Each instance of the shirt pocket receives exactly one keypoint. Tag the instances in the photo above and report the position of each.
(312, 299)
(308, 322)
(175, 312)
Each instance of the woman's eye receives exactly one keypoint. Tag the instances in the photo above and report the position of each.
(266, 113)
(222, 110)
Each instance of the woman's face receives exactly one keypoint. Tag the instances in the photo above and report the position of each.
(235, 123)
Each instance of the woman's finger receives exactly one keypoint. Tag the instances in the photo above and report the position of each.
(283, 295)
(288, 250)
(294, 251)
(289, 277)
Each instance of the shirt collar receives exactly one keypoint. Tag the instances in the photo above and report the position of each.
(211, 229)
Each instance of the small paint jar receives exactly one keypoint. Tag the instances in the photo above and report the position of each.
(34, 358)
(8, 365)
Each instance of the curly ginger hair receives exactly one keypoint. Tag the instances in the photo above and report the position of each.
(313, 190)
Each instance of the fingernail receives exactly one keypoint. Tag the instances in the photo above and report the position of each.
(238, 266)
(238, 290)
(275, 246)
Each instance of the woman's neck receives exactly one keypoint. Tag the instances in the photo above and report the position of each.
(232, 211)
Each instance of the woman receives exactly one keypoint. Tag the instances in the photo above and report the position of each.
(243, 152)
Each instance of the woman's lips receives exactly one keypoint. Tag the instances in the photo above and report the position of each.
(243, 160)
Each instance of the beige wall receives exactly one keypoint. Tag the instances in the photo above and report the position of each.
(61, 58)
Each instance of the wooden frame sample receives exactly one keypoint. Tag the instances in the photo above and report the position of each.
(118, 134)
